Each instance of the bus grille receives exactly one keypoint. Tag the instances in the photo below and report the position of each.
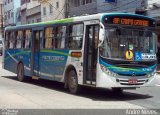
(125, 82)
(132, 75)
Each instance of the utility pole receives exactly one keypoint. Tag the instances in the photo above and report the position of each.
(67, 9)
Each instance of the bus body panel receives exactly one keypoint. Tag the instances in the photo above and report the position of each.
(52, 64)
(13, 57)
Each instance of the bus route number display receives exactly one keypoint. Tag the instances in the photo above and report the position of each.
(133, 22)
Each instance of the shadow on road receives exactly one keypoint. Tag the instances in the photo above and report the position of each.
(95, 94)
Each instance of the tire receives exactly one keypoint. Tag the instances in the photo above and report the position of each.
(73, 82)
(20, 73)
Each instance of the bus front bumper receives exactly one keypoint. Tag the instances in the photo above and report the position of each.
(106, 81)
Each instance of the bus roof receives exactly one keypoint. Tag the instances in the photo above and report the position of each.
(74, 19)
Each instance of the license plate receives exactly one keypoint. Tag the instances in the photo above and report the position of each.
(132, 81)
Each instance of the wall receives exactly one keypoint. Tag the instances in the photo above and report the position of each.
(119, 6)
(89, 8)
(57, 13)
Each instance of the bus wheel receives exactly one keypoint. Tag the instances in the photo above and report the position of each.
(73, 82)
(117, 90)
(20, 72)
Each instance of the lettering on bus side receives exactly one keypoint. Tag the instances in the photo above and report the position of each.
(53, 58)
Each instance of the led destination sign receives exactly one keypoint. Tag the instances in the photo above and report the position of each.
(130, 20)
(134, 22)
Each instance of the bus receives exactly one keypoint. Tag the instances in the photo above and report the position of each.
(106, 50)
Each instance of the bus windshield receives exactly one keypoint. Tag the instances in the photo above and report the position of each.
(118, 41)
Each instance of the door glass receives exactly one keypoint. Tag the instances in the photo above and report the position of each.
(92, 46)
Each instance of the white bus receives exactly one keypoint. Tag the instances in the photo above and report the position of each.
(108, 50)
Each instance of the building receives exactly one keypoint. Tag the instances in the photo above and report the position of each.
(23, 10)
(82, 7)
(10, 12)
(53, 9)
(130, 6)
(30, 11)
(33, 13)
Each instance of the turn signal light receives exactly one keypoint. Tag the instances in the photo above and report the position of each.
(76, 54)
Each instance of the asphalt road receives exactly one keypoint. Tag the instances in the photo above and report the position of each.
(43, 94)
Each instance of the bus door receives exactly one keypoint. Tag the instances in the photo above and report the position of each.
(37, 37)
(90, 54)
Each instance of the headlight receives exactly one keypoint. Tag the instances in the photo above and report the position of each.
(107, 71)
(152, 74)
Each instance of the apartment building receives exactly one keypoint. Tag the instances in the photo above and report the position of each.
(10, 12)
(33, 13)
(53, 9)
(30, 11)
(130, 6)
(82, 7)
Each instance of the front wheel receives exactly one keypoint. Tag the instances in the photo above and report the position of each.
(73, 82)
(20, 73)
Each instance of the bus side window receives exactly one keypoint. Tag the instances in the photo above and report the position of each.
(75, 36)
(48, 40)
(23, 39)
(7, 36)
(11, 40)
(19, 38)
(27, 38)
(60, 37)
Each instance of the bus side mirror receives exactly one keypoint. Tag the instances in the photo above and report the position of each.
(101, 34)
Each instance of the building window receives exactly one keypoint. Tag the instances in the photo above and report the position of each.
(5, 16)
(57, 5)
(44, 10)
(8, 14)
(51, 9)
(11, 14)
(88, 1)
(38, 20)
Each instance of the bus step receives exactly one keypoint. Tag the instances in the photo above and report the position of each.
(35, 77)
(93, 83)
(89, 85)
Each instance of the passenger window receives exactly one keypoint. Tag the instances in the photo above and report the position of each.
(12, 40)
(60, 37)
(19, 39)
(27, 38)
(7, 36)
(75, 36)
(48, 40)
